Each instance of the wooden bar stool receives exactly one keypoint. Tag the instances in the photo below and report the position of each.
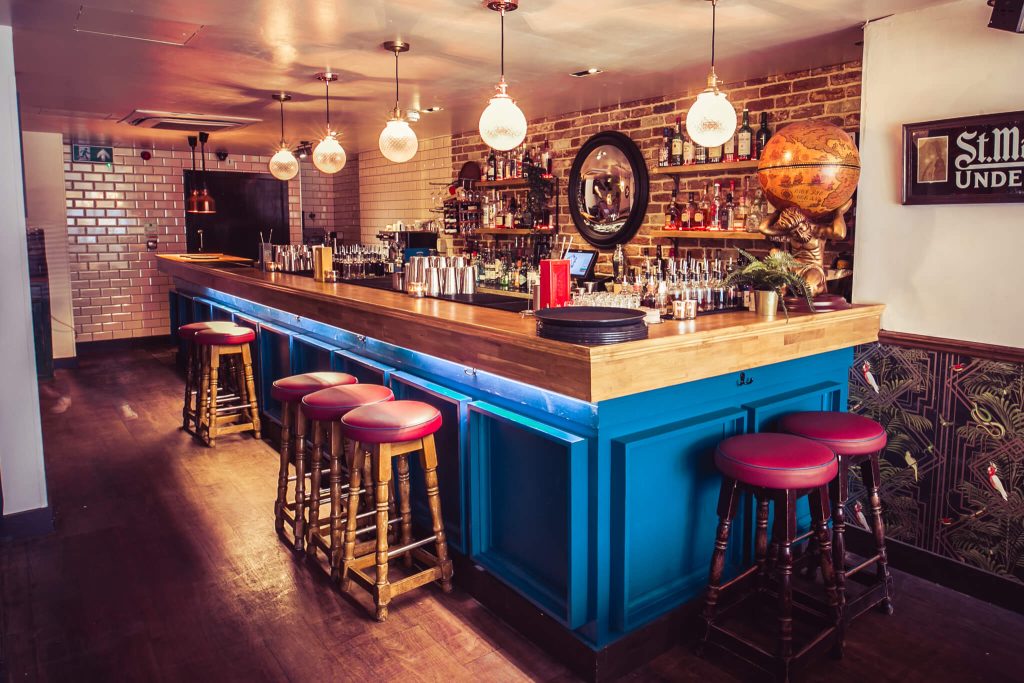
(228, 347)
(393, 430)
(778, 468)
(324, 409)
(856, 440)
(289, 391)
(193, 368)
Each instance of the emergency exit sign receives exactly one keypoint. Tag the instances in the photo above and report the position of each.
(90, 154)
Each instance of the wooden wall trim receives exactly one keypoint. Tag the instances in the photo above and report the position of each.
(1008, 354)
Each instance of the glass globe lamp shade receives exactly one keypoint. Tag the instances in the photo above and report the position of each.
(502, 125)
(712, 118)
(398, 141)
(284, 165)
(328, 156)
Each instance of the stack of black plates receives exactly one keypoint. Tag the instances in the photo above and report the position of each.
(591, 325)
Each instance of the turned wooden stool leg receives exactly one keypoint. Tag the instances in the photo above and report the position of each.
(287, 410)
(428, 461)
(819, 503)
(785, 509)
(381, 462)
(316, 465)
(727, 503)
(368, 499)
(840, 493)
(211, 418)
(202, 391)
(872, 478)
(190, 378)
(761, 540)
(337, 452)
(300, 481)
(404, 492)
(355, 473)
(250, 390)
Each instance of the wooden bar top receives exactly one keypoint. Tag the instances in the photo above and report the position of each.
(507, 344)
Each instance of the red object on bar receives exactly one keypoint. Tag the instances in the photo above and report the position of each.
(554, 282)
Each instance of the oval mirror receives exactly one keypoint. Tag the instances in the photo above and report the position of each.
(608, 189)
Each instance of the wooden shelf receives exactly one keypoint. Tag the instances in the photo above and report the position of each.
(707, 234)
(506, 184)
(701, 169)
(512, 231)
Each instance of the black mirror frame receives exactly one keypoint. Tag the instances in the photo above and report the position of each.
(641, 190)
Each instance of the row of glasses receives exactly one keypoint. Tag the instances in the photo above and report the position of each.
(605, 299)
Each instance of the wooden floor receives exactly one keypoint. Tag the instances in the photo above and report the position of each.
(165, 567)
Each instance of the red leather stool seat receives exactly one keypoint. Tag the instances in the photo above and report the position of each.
(228, 336)
(331, 404)
(776, 461)
(844, 433)
(295, 387)
(391, 422)
(189, 331)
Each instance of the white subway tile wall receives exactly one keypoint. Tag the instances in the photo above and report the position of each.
(390, 192)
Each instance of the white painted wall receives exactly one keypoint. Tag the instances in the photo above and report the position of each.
(45, 209)
(21, 444)
(946, 270)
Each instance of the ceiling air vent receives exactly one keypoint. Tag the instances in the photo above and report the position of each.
(168, 120)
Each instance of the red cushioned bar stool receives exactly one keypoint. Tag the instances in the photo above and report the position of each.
(324, 409)
(387, 431)
(778, 469)
(227, 347)
(290, 391)
(856, 440)
(193, 368)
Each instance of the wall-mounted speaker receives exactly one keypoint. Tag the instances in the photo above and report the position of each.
(1007, 15)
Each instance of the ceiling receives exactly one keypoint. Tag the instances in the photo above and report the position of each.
(240, 51)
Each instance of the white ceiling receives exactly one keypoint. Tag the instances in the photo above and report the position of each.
(82, 84)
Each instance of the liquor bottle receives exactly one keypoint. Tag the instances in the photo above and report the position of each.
(665, 152)
(527, 160)
(762, 134)
(715, 212)
(545, 158)
(492, 166)
(500, 172)
(618, 264)
(729, 150)
(715, 154)
(745, 139)
(691, 212)
(677, 144)
(688, 151)
(730, 207)
(704, 209)
(700, 153)
(672, 220)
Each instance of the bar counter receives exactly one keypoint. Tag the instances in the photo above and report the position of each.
(577, 479)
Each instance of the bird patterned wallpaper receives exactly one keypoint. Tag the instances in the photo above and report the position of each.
(953, 470)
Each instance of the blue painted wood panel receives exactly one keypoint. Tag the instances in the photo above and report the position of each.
(529, 508)
(309, 355)
(275, 362)
(367, 371)
(664, 493)
(451, 441)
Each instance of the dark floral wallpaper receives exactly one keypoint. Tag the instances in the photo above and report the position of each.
(953, 470)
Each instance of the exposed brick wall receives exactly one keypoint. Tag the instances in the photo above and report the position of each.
(116, 289)
(390, 192)
(346, 200)
(831, 93)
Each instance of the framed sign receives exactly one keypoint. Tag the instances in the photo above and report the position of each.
(971, 160)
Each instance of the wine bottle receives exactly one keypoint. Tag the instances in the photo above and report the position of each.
(665, 151)
(492, 166)
(762, 134)
(677, 144)
(688, 151)
(745, 139)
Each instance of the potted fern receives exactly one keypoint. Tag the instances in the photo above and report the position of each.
(768, 277)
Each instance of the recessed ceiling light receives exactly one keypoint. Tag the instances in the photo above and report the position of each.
(431, 110)
(586, 72)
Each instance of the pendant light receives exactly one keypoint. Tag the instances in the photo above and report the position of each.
(283, 165)
(712, 118)
(502, 124)
(193, 196)
(397, 141)
(205, 203)
(329, 157)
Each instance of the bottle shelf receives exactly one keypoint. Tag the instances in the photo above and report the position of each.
(506, 184)
(512, 231)
(707, 234)
(700, 169)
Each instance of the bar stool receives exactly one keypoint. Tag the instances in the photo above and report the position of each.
(289, 391)
(193, 367)
(393, 430)
(227, 346)
(856, 440)
(779, 468)
(324, 409)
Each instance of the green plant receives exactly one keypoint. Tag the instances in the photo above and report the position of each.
(772, 274)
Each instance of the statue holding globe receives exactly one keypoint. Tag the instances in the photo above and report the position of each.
(809, 172)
